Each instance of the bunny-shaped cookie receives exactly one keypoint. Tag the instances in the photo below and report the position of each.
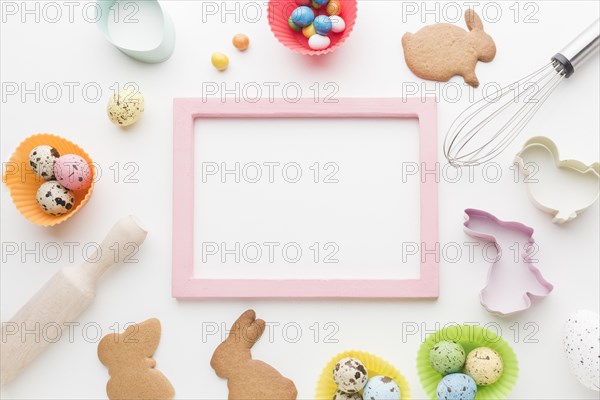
(128, 356)
(247, 378)
(439, 52)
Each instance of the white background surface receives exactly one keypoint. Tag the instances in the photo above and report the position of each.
(369, 64)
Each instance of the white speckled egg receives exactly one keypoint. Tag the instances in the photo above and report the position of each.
(42, 159)
(582, 347)
(54, 199)
(339, 395)
(381, 388)
(319, 42)
(350, 375)
(125, 107)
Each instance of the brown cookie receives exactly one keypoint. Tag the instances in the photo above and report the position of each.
(128, 356)
(439, 52)
(247, 378)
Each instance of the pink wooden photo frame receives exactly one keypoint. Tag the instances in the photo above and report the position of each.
(186, 285)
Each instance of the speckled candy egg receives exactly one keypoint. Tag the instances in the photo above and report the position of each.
(303, 16)
(125, 107)
(456, 387)
(484, 365)
(42, 159)
(447, 357)
(582, 347)
(339, 395)
(73, 172)
(381, 388)
(54, 199)
(350, 375)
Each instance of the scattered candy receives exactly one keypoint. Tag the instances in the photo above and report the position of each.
(319, 42)
(293, 26)
(309, 30)
(220, 61)
(241, 42)
(337, 24)
(54, 199)
(315, 5)
(42, 159)
(73, 172)
(334, 7)
(322, 24)
(125, 107)
(303, 16)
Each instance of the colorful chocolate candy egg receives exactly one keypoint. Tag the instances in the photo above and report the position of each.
(303, 16)
(73, 172)
(309, 30)
(334, 7)
(322, 24)
(318, 42)
(293, 26)
(241, 42)
(337, 24)
(315, 5)
(220, 61)
(321, 2)
(42, 159)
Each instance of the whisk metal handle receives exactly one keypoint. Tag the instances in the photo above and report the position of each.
(580, 49)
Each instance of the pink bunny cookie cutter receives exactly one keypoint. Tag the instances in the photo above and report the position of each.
(512, 280)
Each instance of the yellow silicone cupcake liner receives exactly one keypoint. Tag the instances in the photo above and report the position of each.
(469, 337)
(23, 183)
(375, 366)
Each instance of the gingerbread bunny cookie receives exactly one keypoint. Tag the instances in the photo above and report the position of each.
(439, 52)
(128, 356)
(247, 378)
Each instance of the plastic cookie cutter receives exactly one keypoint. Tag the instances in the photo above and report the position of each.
(561, 188)
(512, 280)
(151, 53)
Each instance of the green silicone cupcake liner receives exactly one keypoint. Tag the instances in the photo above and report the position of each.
(470, 337)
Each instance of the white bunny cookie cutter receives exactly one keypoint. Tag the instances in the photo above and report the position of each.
(153, 53)
(562, 188)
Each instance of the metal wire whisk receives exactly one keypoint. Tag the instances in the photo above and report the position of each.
(487, 127)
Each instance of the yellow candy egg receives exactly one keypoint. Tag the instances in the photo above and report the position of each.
(334, 7)
(309, 30)
(220, 61)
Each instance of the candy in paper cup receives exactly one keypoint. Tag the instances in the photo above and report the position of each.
(470, 337)
(23, 183)
(375, 366)
(279, 12)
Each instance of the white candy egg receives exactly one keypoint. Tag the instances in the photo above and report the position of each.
(337, 24)
(582, 347)
(319, 42)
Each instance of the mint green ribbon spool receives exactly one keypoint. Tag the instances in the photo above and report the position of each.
(158, 54)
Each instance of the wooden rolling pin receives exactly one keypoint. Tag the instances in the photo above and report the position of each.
(63, 298)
